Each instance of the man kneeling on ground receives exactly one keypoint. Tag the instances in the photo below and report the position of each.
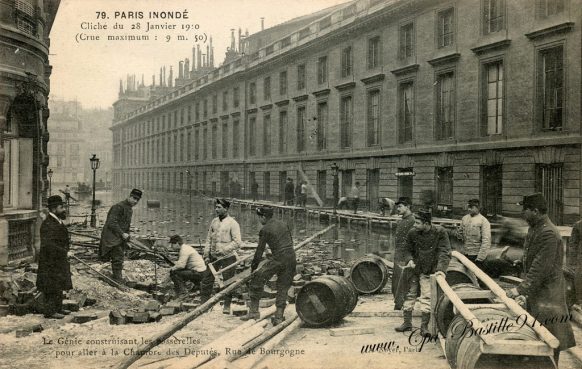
(277, 235)
(189, 267)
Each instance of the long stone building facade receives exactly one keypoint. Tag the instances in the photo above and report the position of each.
(24, 88)
(441, 101)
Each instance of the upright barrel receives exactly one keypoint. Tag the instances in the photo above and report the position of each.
(326, 300)
(463, 349)
(153, 204)
(444, 308)
(369, 274)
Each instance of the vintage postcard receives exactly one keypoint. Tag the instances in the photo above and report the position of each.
(290, 184)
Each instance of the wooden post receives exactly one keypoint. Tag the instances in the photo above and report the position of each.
(434, 295)
(510, 303)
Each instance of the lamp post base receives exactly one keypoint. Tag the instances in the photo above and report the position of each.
(93, 221)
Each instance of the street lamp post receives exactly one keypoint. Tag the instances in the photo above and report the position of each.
(94, 165)
(50, 176)
(335, 170)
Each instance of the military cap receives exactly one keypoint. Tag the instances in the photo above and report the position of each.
(224, 202)
(425, 216)
(404, 200)
(136, 193)
(265, 211)
(534, 201)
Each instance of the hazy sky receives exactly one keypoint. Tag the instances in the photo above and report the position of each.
(90, 71)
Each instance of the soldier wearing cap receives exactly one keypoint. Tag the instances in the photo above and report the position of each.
(54, 271)
(476, 232)
(115, 233)
(277, 235)
(543, 282)
(403, 208)
(428, 251)
(222, 241)
(189, 267)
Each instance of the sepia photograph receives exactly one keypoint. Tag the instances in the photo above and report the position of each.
(291, 184)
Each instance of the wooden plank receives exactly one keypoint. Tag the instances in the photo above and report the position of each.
(510, 279)
(383, 314)
(517, 347)
(511, 304)
(433, 300)
(484, 294)
(350, 331)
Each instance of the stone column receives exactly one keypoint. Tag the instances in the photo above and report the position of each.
(5, 102)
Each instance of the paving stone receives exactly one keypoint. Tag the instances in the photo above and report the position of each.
(84, 317)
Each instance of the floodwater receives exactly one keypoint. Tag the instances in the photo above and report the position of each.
(190, 218)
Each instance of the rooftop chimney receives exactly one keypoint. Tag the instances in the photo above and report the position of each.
(262, 23)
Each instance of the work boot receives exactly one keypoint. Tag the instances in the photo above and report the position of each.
(407, 325)
(424, 325)
(117, 275)
(253, 311)
(279, 316)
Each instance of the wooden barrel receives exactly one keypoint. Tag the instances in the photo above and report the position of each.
(444, 307)
(463, 349)
(369, 274)
(153, 204)
(458, 273)
(326, 300)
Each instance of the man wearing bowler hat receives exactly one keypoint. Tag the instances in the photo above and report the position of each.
(543, 284)
(54, 271)
(221, 244)
(115, 233)
(428, 251)
(283, 262)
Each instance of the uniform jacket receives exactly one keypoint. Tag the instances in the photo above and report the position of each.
(54, 271)
(277, 235)
(402, 229)
(476, 232)
(544, 284)
(430, 250)
(117, 223)
(223, 237)
(575, 244)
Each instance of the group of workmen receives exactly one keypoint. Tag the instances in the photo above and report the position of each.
(422, 249)
(222, 243)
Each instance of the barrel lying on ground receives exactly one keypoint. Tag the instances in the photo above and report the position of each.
(369, 274)
(153, 204)
(458, 273)
(444, 308)
(463, 346)
(326, 300)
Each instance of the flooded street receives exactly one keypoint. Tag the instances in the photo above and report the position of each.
(178, 214)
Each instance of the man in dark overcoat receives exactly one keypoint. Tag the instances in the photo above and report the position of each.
(115, 233)
(289, 192)
(543, 284)
(54, 271)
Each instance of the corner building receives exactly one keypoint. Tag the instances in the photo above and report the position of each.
(441, 101)
(25, 72)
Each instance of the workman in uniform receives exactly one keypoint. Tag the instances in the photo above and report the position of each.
(189, 267)
(115, 233)
(428, 251)
(575, 258)
(543, 285)
(54, 270)
(404, 225)
(476, 233)
(283, 262)
(222, 241)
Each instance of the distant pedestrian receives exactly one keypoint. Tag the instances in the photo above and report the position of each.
(303, 193)
(54, 270)
(289, 192)
(255, 190)
(298, 193)
(355, 196)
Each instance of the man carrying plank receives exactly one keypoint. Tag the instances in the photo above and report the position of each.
(543, 284)
(277, 235)
(428, 250)
(115, 233)
(221, 244)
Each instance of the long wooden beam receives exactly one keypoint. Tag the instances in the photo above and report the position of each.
(161, 337)
(513, 306)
